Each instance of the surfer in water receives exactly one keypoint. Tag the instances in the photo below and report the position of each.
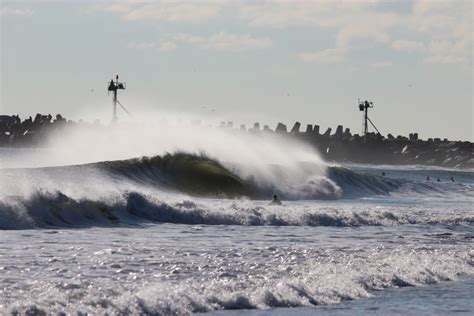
(275, 200)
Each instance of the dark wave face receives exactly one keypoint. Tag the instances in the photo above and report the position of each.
(191, 174)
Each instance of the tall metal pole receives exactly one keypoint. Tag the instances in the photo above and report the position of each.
(114, 117)
(366, 127)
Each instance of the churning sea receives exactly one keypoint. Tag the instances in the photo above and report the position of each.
(403, 250)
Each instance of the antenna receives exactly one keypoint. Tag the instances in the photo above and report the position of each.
(113, 87)
(364, 106)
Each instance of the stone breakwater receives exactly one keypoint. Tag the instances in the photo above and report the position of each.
(340, 146)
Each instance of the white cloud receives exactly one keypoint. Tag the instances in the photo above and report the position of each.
(349, 34)
(221, 41)
(353, 21)
(171, 11)
(120, 7)
(448, 52)
(449, 27)
(375, 20)
(167, 46)
(355, 24)
(382, 64)
(323, 13)
(430, 6)
(141, 45)
(188, 39)
(15, 11)
(232, 42)
(281, 14)
(327, 56)
(408, 46)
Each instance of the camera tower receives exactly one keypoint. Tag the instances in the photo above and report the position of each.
(364, 106)
(113, 87)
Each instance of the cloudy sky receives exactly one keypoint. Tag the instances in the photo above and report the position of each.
(245, 61)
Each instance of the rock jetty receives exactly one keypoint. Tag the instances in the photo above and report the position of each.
(340, 146)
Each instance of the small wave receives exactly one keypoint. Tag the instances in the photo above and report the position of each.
(360, 184)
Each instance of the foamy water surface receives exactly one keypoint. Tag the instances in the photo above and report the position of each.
(181, 268)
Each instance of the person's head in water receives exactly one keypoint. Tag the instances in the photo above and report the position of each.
(275, 200)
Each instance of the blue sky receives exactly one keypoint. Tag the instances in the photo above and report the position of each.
(248, 61)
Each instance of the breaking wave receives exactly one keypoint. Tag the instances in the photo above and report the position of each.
(46, 210)
(188, 189)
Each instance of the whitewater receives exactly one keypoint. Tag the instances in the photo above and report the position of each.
(176, 220)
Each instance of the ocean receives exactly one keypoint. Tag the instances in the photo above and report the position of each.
(168, 235)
